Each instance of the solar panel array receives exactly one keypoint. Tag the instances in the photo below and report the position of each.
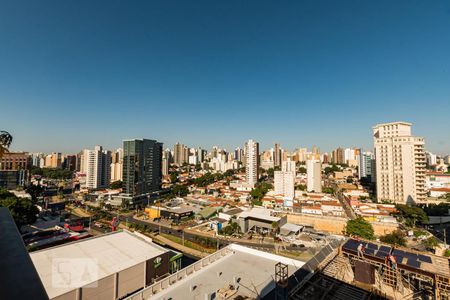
(403, 257)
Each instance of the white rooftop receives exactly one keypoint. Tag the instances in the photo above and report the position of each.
(255, 270)
(112, 253)
(259, 213)
(291, 227)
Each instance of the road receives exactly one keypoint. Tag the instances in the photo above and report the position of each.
(222, 242)
(348, 210)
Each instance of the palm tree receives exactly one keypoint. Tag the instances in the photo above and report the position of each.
(5, 142)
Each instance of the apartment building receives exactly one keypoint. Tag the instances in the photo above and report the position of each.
(400, 163)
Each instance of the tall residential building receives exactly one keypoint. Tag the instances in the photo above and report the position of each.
(301, 154)
(284, 180)
(180, 154)
(117, 165)
(97, 166)
(201, 154)
(53, 160)
(277, 155)
(431, 159)
(252, 162)
(365, 165)
(338, 156)
(314, 176)
(166, 162)
(238, 154)
(70, 162)
(400, 163)
(142, 161)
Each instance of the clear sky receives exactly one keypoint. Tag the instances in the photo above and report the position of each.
(78, 73)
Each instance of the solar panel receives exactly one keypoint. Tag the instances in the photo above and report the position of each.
(398, 253)
(381, 254)
(372, 246)
(425, 258)
(385, 249)
(411, 256)
(413, 263)
(369, 251)
(351, 245)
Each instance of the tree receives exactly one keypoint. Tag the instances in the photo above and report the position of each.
(360, 227)
(174, 177)
(5, 142)
(410, 215)
(327, 190)
(431, 242)
(22, 210)
(440, 209)
(302, 170)
(300, 187)
(180, 190)
(260, 190)
(394, 238)
(116, 184)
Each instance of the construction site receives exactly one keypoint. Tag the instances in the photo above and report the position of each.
(361, 269)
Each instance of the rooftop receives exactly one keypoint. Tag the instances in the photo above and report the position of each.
(250, 271)
(111, 253)
(259, 213)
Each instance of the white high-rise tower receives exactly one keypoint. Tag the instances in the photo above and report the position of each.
(400, 163)
(252, 162)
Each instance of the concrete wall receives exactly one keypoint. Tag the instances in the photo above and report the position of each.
(130, 280)
(336, 225)
(103, 289)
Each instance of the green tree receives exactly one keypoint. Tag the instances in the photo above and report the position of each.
(173, 177)
(394, 238)
(260, 190)
(302, 170)
(116, 184)
(179, 190)
(410, 215)
(300, 187)
(327, 190)
(360, 227)
(5, 142)
(22, 210)
(431, 242)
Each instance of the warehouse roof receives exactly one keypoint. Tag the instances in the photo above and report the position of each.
(100, 256)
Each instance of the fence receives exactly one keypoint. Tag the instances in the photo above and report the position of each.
(165, 283)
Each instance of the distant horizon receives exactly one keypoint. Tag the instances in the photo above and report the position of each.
(205, 73)
(229, 149)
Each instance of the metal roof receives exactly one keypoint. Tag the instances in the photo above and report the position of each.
(111, 253)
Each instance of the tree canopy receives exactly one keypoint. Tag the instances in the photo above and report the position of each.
(116, 184)
(440, 209)
(360, 227)
(52, 173)
(180, 190)
(394, 238)
(410, 215)
(22, 210)
(259, 191)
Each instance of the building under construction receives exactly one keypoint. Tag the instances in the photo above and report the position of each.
(346, 273)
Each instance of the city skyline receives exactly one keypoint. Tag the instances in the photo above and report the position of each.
(302, 73)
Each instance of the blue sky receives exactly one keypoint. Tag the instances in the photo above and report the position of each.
(78, 73)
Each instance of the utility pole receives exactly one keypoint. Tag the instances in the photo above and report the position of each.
(182, 236)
